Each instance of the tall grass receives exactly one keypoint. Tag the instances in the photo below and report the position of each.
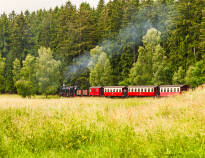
(100, 127)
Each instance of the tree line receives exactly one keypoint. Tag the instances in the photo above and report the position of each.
(123, 42)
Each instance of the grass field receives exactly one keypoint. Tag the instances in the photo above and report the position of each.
(100, 127)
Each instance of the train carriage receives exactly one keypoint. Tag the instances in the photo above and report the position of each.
(96, 91)
(79, 92)
(143, 91)
(115, 91)
(85, 93)
(172, 90)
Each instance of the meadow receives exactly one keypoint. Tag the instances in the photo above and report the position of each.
(103, 127)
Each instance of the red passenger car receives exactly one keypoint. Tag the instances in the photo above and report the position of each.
(172, 90)
(96, 91)
(143, 91)
(115, 91)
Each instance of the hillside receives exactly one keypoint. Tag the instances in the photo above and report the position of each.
(99, 127)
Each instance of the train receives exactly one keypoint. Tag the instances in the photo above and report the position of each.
(123, 91)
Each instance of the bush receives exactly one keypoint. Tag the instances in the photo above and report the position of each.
(25, 88)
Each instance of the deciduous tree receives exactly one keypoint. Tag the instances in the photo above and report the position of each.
(47, 72)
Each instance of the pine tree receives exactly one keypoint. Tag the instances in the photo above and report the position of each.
(87, 28)
(202, 33)
(101, 5)
(67, 34)
(184, 34)
(4, 35)
(130, 10)
(2, 77)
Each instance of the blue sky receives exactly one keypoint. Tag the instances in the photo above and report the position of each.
(32, 5)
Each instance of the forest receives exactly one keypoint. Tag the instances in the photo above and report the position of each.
(122, 42)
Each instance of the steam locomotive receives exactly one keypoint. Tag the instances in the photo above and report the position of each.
(124, 91)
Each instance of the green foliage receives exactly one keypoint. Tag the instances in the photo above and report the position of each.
(2, 71)
(151, 66)
(184, 43)
(202, 33)
(118, 27)
(25, 77)
(101, 74)
(47, 72)
(25, 88)
(16, 70)
(195, 75)
(179, 76)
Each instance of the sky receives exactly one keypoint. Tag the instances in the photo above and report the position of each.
(8, 6)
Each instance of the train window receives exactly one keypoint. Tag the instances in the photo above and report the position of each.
(178, 89)
(120, 90)
(96, 90)
(113, 90)
(135, 89)
(116, 90)
(128, 90)
(170, 89)
(145, 90)
(175, 90)
(167, 89)
(142, 89)
(90, 90)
